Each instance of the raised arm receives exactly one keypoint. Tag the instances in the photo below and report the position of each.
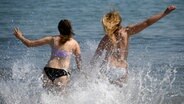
(133, 29)
(78, 58)
(31, 43)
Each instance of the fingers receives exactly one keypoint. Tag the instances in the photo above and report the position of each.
(16, 29)
(17, 32)
(172, 7)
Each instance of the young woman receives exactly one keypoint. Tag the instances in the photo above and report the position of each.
(56, 71)
(116, 40)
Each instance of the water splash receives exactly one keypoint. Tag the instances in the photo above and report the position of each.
(146, 85)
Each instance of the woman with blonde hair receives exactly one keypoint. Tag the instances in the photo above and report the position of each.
(115, 43)
(56, 71)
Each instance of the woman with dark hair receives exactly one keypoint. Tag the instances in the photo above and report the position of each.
(115, 43)
(56, 71)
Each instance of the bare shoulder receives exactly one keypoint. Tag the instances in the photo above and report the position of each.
(105, 38)
(75, 46)
(130, 29)
(56, 37)
(124, 31)
(73, 41)
(46, 39)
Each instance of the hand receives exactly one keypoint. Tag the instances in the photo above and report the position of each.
(18, 33)
(170, 9)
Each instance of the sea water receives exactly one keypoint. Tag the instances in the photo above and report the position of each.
(156, 55)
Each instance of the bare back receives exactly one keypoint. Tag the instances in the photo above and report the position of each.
(61, 53)
(116, 53)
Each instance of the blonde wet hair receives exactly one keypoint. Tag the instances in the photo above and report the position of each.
(111, 23)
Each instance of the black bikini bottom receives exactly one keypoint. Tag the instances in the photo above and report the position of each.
(54, 73)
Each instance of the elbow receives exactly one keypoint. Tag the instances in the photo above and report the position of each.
(29, 44)
(147, 23)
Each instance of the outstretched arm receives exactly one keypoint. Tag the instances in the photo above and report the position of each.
(31, 43)
(133, 29)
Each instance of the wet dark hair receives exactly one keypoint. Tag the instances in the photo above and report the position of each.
(65, 30)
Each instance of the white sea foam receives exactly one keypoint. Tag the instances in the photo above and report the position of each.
(144, 86)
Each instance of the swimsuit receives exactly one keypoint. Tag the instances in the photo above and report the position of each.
(61, 53)
(54, 73)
